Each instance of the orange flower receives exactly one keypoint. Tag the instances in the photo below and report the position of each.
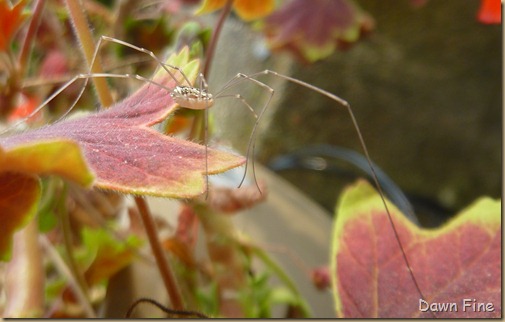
(25, 107)
(246, 9)
(10, 20)
(490, 12)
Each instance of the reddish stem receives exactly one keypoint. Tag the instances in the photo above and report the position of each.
(159, 255)
(24, 55)
(85, 37)
(215, 37)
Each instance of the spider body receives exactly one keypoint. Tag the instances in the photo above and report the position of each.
(192, 97)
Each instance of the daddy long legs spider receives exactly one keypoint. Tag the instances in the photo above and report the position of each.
(199, 98)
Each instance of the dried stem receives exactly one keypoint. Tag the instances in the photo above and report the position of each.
(215, 37)
(159, 255)
(226, 255)
(24, 282)
(72, 264)
(83, 33)
(24, 55)
(65, 270)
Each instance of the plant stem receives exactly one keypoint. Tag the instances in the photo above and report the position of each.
(24, 55)
(83, 33)
(198, 122)
(24, 282)
(283, 276)
(64, 270)
(215, 37)
(230, 269)
(83, 292)
(159, 255)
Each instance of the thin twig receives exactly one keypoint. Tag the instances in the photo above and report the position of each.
(72, 264)
(83, 33)
(159, 255)
(24, 55)
(215, 37)
(65, 270)
(171, 313)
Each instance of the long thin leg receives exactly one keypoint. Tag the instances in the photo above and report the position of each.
(94, 59)
(85, 77)
(234, 81)
(163, 65)
(251, 145)
(243, 101)
(151, 54)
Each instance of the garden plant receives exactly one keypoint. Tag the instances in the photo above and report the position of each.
(106, 104)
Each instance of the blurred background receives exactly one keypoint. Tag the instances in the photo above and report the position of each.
(425, 86)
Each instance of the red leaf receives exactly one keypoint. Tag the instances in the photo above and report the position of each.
(313, 29)
(458, 261)
(20, 187)
(187, 226)
(10, 21)
(128, 156)
(109, 255)
(490, 12)
(232, 200)
(19, 196)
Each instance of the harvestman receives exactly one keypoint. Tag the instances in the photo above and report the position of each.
(198, 98)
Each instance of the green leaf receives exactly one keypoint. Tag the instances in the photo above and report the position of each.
(108, 254)
(45, 156)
